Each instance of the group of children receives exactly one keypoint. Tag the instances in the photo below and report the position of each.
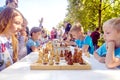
(12, 22)
(14, 42)
(109, 52)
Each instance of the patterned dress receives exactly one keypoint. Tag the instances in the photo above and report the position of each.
(6, 52)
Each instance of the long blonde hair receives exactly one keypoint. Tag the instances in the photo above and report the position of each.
(6, 18)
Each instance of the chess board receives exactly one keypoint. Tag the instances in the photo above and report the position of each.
(61, 66)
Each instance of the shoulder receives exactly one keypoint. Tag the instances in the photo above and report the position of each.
(2, 8)
(30, 41)
(87, 37)
(102, 48)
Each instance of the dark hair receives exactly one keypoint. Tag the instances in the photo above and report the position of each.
(97, 29)
(34, 30)
(9, 1)
(27, 31)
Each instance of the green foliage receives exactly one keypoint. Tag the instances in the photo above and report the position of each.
(87, 12)
(100, 41)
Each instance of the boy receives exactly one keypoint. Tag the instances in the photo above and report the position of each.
(33, 44)
(82, 41)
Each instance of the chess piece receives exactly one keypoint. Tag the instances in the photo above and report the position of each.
(70, 62)
(51, 62)
(45, 59)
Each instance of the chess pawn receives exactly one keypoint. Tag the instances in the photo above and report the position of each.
(45, 59)
(46, 51)
(52, 53)
(39, 61)
(81, 60)
(70, 62)
(80, 52)
(75, 50)
(51, 57)
(40, 55)
(70, 54)
(57, 59)
(51, 62)
(61, 53)
(66, 52)
(75, 58)
(57, 54)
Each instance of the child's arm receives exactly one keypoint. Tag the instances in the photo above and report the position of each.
(99, 58)
(70, 43)
(110, 60)
(85, 50)
(35, 49)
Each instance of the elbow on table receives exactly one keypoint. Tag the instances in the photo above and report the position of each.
(109, 65)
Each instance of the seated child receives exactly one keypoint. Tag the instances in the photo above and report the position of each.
(33, 44)
(22, 39)
(11, 21)
(109, 52)
(82, 41)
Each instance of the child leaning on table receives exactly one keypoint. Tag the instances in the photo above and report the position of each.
(11, 21)
(109, 52)
(81, 40)
(33, 44)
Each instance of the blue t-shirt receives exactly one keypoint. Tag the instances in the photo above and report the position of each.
(86, 41)
(31, 43)
(103, 50)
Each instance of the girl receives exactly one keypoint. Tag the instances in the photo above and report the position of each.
(109, 52)
(22, 39)
(11, 21)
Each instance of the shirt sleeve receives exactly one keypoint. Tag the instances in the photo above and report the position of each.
(30, 43)
(88, 41)
(102, 50)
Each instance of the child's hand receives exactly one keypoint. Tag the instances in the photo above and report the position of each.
(110, 44)
(87, 54)
(101, 59)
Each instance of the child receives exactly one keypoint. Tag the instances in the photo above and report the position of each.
(95, 35)
(11, 21)
(82, 41)
(33, 44)
(109, 52)
(10, 3)
(22, 39)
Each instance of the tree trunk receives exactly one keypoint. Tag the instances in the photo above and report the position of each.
(99, 17)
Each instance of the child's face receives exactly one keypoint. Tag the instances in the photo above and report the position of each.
(75, 34)
(110, 33)
(13, 4)
(16, 24)
(37, 35)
